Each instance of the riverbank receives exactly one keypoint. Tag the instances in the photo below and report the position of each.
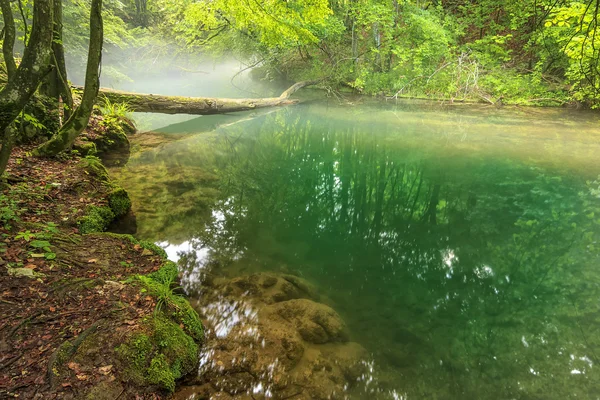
(84, 314)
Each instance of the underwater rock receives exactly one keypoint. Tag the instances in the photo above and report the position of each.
(316, 323)
(271, 288)
(267, 337)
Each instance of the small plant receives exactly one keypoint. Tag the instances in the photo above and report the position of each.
(8, 211)
(51, 227)
(27, 236)
(45, 246)
(118, 110)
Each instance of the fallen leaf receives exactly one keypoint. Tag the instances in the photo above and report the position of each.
(31, 266)
(82, 377)
(52, 309)
(137, 247)
(66, 384)
(92, 261)
(73, 366)
(105, 370)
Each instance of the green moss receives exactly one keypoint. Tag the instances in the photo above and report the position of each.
(154, 247)
(93, 166)
(166, 274)
(86, 148)
(96, 219)
(135, 354)
(174, 306)
(113, 136)
(119, 201)
(40, 119)
(160, 357)
(188, 317)
(159, 373)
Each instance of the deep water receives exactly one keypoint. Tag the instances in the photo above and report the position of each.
(459, 243)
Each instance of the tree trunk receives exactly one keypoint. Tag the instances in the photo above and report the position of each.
(9, 38)
(56, 84)
(138, 102)
(34, 66)
(66, 136)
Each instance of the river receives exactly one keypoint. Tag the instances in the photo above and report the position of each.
(458, 244)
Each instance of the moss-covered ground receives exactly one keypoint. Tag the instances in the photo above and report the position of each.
(84, 314)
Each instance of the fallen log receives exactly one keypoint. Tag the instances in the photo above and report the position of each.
(154, 103)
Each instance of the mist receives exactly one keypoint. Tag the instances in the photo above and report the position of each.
(169, 73)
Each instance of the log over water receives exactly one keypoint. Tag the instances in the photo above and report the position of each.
(139, 102)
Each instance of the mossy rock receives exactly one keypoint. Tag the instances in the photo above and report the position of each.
(96, 219)
(176, 307)
(85, 148)
(166, 274)
(119, 202)
(113, 136)
(94, 167)
(159, 355)
(41, 120)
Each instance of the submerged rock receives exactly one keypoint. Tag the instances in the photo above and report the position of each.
(316, 323)
(268, 337)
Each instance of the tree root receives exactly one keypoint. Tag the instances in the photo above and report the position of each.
(66, 350)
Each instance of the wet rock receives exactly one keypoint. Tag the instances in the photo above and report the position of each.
(271, 288)
(316, 322)
(269, 338)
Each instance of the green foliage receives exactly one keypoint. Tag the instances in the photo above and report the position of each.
(115, 110)
(25, 235)
(8, 211)
(166, 274)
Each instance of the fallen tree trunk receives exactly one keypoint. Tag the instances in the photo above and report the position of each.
(153, 103)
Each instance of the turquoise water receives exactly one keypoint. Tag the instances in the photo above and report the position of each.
(459, 244)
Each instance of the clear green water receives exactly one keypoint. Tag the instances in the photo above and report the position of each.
(459, 244)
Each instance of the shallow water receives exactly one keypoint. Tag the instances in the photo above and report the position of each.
(459, 244)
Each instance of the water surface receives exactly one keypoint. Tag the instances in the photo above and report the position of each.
(459, 244)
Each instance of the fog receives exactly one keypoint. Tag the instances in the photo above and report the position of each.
(195, 76)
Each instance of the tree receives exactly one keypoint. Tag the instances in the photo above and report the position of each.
(56, 85)
(66, 136)
(9, 38)
(33, 68)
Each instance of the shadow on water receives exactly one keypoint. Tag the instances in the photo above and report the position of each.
(458, 245)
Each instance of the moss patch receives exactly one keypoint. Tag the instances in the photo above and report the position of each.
(160, 355)
(119, 202)
(96, 219)
(166, 274)
(86, 148)
(93, 166)
(114, 136)
(160, 285)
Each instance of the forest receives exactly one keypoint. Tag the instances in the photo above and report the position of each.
(401, 201)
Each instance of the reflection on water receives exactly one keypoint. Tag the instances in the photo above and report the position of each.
(451, 253)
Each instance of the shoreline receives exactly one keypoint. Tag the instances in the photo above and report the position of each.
(85, 314)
